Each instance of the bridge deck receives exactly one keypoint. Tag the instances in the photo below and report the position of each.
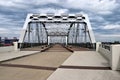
(77, 48)
(34, 67)
(59, 64)
(85, 65)
(56, 47)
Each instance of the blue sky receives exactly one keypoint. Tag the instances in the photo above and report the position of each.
(104, 15)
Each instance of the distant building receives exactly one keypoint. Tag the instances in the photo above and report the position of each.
(9, 42)
(0, 39)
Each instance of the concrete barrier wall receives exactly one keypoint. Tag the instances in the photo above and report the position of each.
(105, 53)
(115, 57)
(112, 55)
(6, 49)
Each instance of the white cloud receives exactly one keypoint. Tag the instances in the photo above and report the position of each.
(10, 32)
(93, 8)
(111, 35)
(107, 37)
(4, 31)
(112, 26)
(13, 4)
(96, 17)
(6, 21)
(24, 4)
(9, 27)
(43, 2)
(101, 7)
(50, 10)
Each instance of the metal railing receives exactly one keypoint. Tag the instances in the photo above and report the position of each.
(27, 45)
(84, 45)
(105, 46)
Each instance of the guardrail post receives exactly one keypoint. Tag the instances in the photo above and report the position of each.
(115, 57)
(97, 46)
(15, 46)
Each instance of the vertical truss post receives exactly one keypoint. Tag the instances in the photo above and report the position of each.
(41, 34)
(45, 30)
(24, 29)
(85, 31)
(28, 33)
(48, 40)
(90, 31)
(66, 40)
(37, 32)
(77, 33)
(73, 39)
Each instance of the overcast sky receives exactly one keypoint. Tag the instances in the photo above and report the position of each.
(104, 15)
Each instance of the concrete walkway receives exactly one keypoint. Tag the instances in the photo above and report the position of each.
(84, 74)
(85, 65)
(15, 54)
(34, 67)
(86, 58)
(56, 65)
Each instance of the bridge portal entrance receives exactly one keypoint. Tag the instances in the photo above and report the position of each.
(56, 28)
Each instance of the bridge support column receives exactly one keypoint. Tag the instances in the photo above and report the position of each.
(15, 46)
(115, 63)
(66, 40)
(97, 46)
(48, 40)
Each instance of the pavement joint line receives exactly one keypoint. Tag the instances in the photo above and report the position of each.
(85, 67)
(29, 66)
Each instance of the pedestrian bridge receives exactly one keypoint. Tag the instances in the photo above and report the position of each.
(58, 62)
(41, 32)
(59, 47)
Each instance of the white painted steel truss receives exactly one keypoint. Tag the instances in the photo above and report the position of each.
(43, 19)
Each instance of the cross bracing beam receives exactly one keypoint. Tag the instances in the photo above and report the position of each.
(57, 17)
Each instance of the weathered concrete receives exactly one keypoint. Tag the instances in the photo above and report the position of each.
(115, 57)
(86, 58)
(112, 55)
(43, 66)
(34, 67)
(14, 73)
(46, 59)
(15, 54)
(6, 49)
(83, 74)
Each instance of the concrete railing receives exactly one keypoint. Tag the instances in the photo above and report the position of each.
(105, 51)
(6, 49)
(111, 53)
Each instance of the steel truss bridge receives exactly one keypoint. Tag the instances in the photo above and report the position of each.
(56, 28)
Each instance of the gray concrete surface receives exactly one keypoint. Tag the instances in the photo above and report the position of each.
(29, 67)
(14, 73)
(86, 58)
(34, 67)
(6, 49)
(83, 74)
(15, 54)
(44, 59)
